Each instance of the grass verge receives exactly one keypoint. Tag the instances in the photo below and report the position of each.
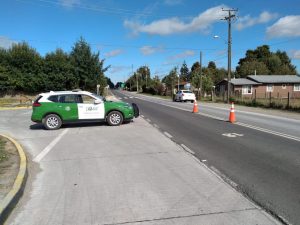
(3, 154)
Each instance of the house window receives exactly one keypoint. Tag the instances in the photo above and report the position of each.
(283, 86)
(270, 87)
(247, 89)
(296, 87)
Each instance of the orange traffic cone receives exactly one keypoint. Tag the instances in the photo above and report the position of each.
(232, 114)
(195, 109)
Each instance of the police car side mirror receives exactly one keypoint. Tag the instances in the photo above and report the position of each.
(97, 101)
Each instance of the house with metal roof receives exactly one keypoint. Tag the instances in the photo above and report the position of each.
(262, 86)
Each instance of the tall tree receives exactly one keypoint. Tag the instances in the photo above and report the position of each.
(59, 71)
(88, 68)
(263, 61)
(184, 72)
(25, 67)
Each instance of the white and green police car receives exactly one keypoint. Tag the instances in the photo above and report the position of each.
(55, 108)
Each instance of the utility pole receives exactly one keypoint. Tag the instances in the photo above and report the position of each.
(229, 18)
(131, 75)
(137, 82)
(200, 75)
(178, 80)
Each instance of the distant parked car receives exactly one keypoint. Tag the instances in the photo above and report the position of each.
(55, 108)
(184, 95)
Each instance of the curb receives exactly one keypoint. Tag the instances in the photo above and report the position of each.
(11, 199)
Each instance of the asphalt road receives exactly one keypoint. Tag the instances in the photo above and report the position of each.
(92, 174)
(264, 166)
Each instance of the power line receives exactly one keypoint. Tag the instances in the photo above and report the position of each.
(117, 11)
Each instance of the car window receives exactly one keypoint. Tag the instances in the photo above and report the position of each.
(68, 99)
(53, 98)
(87, 99)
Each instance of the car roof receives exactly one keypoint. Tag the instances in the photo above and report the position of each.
(66, 92)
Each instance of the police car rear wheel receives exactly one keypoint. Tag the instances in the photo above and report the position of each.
(115, 118)
(52, 122)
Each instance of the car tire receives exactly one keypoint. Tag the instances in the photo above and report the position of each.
(114, 118)
(192, 101)
(52, 122)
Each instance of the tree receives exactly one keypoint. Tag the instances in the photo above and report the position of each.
(88, 68)
(249, 67)
(59, 71)
(144, 75)
(171, 79)
(25, 68)
(212, 65)
(184, 72)
(109, 82)
(265, 62)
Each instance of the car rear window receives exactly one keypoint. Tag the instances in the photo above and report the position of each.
(53, 98)
(189, 92)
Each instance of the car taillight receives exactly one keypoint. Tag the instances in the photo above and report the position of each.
(36, 104)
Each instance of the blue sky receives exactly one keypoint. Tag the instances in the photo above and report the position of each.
(160, 34)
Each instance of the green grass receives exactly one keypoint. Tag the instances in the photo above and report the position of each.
(3, 155)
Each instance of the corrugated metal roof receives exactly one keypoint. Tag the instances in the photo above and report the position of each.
(243, 81)
(271, 79)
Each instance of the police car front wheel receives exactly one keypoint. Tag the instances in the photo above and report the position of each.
(52, 122)
(115, 118)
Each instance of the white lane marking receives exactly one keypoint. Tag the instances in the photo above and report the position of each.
(168, 135)
(125, 97)
(130, 97)
(230, 135)
(203, 160)
(187, 149)
(148, 120)
(142, 116)
(269, 131)
(155, 125)
(46, 150)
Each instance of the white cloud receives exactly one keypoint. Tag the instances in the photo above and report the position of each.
(69, 3)
(248, 21)
(118, 69)
(172, 2)
(287, 26)
(149, 50)
(295, 54)
(184, 54)
(5, 42)
(202, 23)
(113, 53)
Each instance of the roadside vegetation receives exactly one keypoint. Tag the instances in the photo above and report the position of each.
(23, 70)
(260, 60)
(3, 154)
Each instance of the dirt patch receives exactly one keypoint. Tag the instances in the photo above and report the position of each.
(9, 165)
